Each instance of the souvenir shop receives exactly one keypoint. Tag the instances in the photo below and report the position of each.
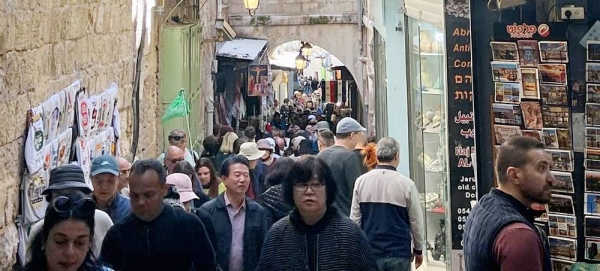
(520, 73)
(538, 75)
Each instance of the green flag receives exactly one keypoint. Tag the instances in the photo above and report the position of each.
(177, 108)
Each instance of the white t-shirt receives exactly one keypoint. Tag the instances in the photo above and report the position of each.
(102, 223)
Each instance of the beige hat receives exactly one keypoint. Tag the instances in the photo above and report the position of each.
(250, 151)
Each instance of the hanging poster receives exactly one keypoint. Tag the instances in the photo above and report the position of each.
(35, 140)
(34, 203)
(93, 107)
(83, 158)
(258, 82)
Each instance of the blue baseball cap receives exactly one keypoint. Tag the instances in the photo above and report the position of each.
(105, 164)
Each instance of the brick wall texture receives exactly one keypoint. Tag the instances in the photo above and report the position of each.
(44, 46)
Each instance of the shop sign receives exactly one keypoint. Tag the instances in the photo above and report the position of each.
(528, 30)
(461, 124)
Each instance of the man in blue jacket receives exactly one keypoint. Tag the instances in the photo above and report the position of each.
(105, 179)
(240, 223)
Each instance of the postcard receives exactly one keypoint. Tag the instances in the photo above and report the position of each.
(593, 154)
(591, 164)
(556, 116)
(505, 71)
(592, 137)
(554, 94)
(529, 83)
(550, 138)
(532, 115)
(592, 181)
(529, 54)
(553, 73)
(554, 51)
(591, 204)
(562, 160)
(564, 139)
(505, 132)
(592, 72)
(504, 51)
(592, 114)
(507, 92)
(561, 265)
(564, 182)
(593, 50)
(593, 93)
(562, 226)
(507, 114)
(563, 248)
(540, 211)
(561, 204)
(592, 226)
(537, 135)
(591, 249)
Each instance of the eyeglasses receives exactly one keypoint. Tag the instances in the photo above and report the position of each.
(174, 161)
(66, 207)
(125, 172)
(303, 187)
(176, 138)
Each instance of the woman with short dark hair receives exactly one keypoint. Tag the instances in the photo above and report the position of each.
(272, 199)
(315, 236)
(65, 240)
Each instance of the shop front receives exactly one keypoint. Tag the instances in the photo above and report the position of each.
(441, 123)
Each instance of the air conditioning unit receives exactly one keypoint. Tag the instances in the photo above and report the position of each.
(505, 4)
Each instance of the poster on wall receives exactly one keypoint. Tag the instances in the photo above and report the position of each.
(258, 80)
(461, 134)
(35, 140)
(33, 202)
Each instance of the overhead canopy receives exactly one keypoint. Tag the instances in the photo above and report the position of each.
(431, 11)
(245, 49)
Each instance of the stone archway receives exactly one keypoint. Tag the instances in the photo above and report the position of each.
(340, 39)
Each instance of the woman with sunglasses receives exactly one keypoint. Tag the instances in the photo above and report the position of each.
(315, 236)
(65, 241)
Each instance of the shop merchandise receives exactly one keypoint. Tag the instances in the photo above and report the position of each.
(49, 143)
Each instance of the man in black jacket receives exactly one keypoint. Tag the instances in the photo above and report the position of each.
(156, 236)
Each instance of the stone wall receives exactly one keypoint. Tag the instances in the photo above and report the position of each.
(44, 46)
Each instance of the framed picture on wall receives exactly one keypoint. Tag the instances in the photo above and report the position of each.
(553, 73)
(593, 50)
(529, 83)
(504, 51)
(554, 51)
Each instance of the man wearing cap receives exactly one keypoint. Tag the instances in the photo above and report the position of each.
(345, 166)
(178, 139)
(105, 179)
(322, 126)
(258, 169)
(69, 180)
(124, 168)
(240, 222)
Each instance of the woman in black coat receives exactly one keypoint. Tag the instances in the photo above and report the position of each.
(272, 199)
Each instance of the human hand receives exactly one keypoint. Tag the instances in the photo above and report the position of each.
(418, 260)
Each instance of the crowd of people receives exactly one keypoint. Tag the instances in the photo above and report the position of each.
(279, 201)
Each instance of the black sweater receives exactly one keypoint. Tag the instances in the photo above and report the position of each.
(337, 244)
(175, 240)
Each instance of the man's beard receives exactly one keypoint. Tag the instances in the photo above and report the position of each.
(537, 197)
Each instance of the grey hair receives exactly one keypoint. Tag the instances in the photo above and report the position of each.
(387, 148)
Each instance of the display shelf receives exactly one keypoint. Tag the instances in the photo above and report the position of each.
(428, 169)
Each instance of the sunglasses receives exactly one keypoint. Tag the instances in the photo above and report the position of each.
(176, 138)
(67, 207)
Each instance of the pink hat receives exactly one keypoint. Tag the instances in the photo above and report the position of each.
(184, 186)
